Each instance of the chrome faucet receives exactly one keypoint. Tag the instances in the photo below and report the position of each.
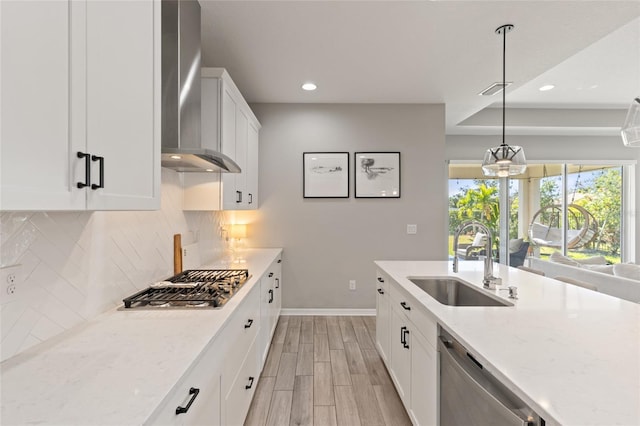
(489, 280)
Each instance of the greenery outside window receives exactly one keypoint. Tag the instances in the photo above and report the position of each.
(576, 209)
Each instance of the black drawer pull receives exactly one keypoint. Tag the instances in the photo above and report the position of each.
(270, 274)
(271, 296)
(250, 198)
(238, 196)
(279, 260)
(249, 323)
(101, 160)
(192, 391)
(380, 280)
(277, 282)
(381, 291)
(250, 385)
(404, 305)
(405, 344)
(402, 330)
(87, 169)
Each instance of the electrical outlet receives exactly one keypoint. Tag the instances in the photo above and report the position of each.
(412, 229)
(352, 285)
(10, 278)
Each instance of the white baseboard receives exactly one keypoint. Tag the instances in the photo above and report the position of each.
(329, 312)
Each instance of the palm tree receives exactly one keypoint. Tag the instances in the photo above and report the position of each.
(481, 204)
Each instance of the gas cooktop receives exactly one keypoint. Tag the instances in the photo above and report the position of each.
(194, 288)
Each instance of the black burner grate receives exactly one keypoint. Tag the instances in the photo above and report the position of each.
(210, 288)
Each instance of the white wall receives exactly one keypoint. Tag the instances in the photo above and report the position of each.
(75, 265)
(539, 149)
(328, 242)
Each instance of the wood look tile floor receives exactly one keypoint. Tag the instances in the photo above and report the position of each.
(325, 371)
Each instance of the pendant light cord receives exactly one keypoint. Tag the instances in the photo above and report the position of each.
(504, 81)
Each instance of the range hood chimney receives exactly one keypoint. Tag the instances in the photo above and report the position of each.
(182, 149)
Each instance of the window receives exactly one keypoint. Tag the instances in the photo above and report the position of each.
(577, 209)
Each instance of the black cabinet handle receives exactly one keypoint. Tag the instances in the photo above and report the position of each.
(250, 385)
(277, 282)
(87, 169)
(404, 305)
(279, 260)
(381, 291)
(101, 160)
(194, 392)
(250, 198)
(380, 280)
(271, 296)
(249, 323)
(402, 330)
(405, 344)
(238, 196)
(270, 274)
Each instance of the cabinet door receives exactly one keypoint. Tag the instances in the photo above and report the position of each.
(242, 133)
(400, 355)
(123, 88)
(228, 146)
(278, 293)
(424, 382)
(383, 320)
(265, 315)
(239, 397)
(38, 152)
(252, 167)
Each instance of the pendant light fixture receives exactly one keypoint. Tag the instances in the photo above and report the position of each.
(504, 160)
(630, 130)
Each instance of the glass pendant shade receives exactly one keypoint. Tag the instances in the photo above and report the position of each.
(630, 130)
(503, 161)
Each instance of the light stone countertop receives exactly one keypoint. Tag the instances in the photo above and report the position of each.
(117, 368)
(572, 354)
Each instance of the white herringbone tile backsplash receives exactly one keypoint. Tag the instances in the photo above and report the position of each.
(76, 265)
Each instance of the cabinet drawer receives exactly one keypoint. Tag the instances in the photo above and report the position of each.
(204, 378)
(402, 299)
(239, 396)
(239, 334)
(426, 324)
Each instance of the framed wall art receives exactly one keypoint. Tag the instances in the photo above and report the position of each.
(325, 174)
(377, 174)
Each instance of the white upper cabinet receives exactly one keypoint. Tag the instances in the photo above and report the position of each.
(228, 126)
(80, 77)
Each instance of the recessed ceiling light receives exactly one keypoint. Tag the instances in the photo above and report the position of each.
(309, 87)
(546, 87)
(209, 170)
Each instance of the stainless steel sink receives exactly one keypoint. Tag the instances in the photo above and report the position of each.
(453, 292)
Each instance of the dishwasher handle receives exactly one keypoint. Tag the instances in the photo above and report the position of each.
(470, 396)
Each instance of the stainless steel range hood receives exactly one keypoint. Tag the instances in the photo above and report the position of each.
(182, 148)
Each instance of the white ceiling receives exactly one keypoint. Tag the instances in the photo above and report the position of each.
(436, 52)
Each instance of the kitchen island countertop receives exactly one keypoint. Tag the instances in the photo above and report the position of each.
(117, 368)
(570, 353)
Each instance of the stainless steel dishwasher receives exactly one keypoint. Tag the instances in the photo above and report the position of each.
(471, 396)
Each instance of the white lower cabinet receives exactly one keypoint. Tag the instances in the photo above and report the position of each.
(270, 306)
(383, 316)
(412, 359)
(218, 388)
